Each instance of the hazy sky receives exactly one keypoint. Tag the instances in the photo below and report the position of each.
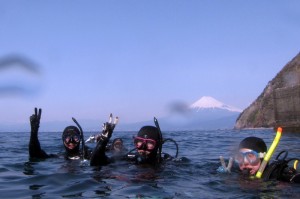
(135, 58)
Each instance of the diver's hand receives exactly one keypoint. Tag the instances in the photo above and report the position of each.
(224, 168)
(108, 128)
(91, 139)
(35, 120)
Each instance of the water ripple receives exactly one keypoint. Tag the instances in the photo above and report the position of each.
(195, 177)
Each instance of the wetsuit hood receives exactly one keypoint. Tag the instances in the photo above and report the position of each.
(150, 132)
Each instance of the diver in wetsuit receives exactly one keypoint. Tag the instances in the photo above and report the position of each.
(116, 146)
(249, 157)
(71, 137)
(147, 144)
(148, 149)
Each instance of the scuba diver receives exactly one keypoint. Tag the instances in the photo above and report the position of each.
(72, 137)
(251, 152)
(249, 158)
(117, 147)
(148, 148)
(148, 144)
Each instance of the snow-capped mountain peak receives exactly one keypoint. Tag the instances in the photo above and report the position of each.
(207, 102)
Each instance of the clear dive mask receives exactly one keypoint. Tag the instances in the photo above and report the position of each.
(72, 138)
(252, 157)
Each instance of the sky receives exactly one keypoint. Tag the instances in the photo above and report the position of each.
(137, 58)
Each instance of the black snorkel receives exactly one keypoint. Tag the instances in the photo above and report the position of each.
(81, 137)
(163, 141)
(160, 140)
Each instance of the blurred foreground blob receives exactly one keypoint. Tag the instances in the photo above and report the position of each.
(19, 76)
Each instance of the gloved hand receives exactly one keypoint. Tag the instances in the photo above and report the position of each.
(107, 129)
(224, 168)
(35, 120)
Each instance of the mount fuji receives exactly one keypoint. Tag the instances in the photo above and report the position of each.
(208, 102)
(207, 113)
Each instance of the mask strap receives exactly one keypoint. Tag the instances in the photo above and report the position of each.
(261, 155)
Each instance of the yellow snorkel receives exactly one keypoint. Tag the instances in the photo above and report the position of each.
(296, 164)
(269, 153)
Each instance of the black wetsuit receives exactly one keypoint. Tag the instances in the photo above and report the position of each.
(280, 170)
(147, 137)
(99, 157)
(35, 150)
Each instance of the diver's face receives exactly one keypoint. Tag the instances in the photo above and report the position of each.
(118, 146)
(144, 146)
(248, 160)
(71, 141)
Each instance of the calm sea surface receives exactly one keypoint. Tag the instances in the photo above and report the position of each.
(196, 178)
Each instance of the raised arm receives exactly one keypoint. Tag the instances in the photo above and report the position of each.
(98, 156)
(35, 150)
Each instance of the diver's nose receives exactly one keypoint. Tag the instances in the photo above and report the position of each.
(144, 147)
(246, 162)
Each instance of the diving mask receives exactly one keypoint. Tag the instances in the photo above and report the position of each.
(72, 138)
(144, 143)
(252, 157)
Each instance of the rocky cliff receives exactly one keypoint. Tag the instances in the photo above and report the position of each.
(263, 112)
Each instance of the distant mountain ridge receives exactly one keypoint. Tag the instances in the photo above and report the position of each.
(207, 113)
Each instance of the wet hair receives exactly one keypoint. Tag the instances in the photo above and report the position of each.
(254, 143)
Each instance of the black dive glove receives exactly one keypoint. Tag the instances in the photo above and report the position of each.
(107, 129)
(98, 156)
(35, 150)
(35, 121)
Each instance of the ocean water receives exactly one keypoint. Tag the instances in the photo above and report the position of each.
(193, 178)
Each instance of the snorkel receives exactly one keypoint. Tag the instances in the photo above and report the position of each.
(160, 140)
(296, 164)
(269, 153)
(81, 137)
